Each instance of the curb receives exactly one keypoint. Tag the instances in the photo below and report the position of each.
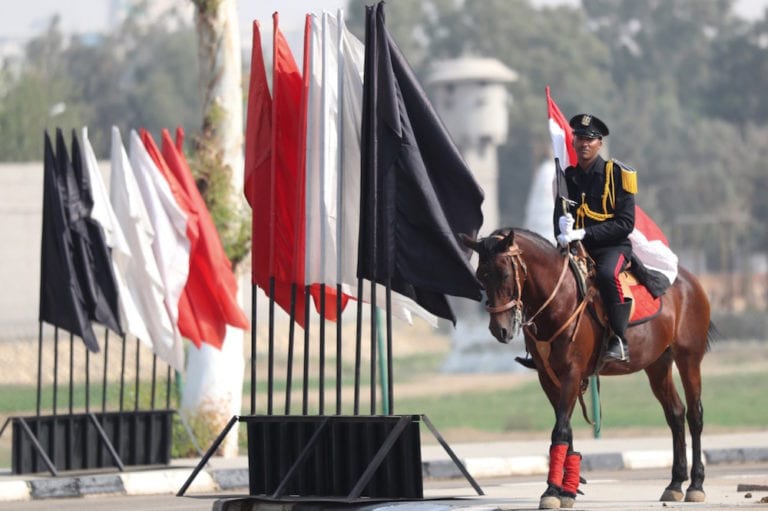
(168, 481)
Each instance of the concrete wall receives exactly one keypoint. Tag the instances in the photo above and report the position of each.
(21, 207)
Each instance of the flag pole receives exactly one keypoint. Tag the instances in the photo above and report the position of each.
(254, 295)
(358, 344)
(39, 367)
(272, 213)
(323, 251)
(71, 393)
(305, 398)
(291, 341)
(339, 194)
(104, 380)
(271, 343)
(390, 373)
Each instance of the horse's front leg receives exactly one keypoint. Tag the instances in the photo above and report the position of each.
(564, 463)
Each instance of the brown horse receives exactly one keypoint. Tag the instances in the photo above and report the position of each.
(528, 285)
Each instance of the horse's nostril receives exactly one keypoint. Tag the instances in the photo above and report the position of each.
(503, 333)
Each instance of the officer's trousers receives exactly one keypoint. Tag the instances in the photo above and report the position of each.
(609, 262)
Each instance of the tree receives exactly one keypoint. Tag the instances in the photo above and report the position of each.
(213, 388)
(38, 96)
(134, 78)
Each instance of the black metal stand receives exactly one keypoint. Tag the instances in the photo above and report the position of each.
(75, 441)
(344, 458)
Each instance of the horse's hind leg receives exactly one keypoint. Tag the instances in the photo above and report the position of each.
(663, 386)
(689, 366)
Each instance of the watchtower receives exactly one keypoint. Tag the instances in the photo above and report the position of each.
(472, 97)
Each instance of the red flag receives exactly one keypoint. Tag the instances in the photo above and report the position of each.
(186, 322)
(260, 185)
(287, 177)
(208, 302)
(258, 162)
(209, 261)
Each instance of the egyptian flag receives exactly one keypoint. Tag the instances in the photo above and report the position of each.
(417, 193)
(562, 139)
(649, 244)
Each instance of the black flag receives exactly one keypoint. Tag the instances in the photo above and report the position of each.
(61, 299)
(92, 255)
(416, 190)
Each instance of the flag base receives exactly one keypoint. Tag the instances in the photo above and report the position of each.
(334, 458)
(88, 441)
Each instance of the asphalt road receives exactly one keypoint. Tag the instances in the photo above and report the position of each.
(624, 490)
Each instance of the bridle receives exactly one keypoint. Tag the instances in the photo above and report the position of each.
(514, 253)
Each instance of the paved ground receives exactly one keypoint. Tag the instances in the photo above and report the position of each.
(482, 460)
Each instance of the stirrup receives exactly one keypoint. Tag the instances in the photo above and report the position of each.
(617, 349)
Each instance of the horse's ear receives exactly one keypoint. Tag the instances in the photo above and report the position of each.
(469, 242)
(505, 243)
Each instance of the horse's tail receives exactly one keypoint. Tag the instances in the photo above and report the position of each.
(713, 335)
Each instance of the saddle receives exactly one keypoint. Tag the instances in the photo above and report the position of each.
(645, 304)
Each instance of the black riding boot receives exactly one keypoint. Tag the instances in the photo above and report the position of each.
(618, 317)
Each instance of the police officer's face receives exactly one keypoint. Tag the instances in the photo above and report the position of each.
(586, 149)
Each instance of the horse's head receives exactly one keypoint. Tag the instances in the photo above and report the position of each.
(502, 272)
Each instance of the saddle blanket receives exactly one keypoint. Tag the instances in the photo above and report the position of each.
(645, 305)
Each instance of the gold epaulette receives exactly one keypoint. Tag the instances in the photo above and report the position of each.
(628, 177)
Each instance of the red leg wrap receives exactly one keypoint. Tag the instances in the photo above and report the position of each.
(557, 454)
(572, 476)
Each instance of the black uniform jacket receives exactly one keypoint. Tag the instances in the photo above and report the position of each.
(613, 217)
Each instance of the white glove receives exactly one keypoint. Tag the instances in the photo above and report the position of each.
(565, 223)
(575, 235)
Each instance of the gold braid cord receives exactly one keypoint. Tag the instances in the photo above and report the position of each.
(609, 196)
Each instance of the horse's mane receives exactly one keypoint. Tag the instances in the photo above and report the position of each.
(487, 244)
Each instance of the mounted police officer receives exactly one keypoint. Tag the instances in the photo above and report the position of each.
(603, 194)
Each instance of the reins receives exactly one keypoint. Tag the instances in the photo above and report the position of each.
(544, 347)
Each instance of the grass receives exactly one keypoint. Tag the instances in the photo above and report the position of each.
(730, 395)
(627, 402)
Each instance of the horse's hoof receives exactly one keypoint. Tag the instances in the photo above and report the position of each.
(549, 502)
(694, 496)
(671, 496)
(567, 502)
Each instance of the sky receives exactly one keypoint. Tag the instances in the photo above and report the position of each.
(22, 19)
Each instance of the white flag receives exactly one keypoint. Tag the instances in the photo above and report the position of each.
(170, 245)
(138, 268)
(102, 212)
